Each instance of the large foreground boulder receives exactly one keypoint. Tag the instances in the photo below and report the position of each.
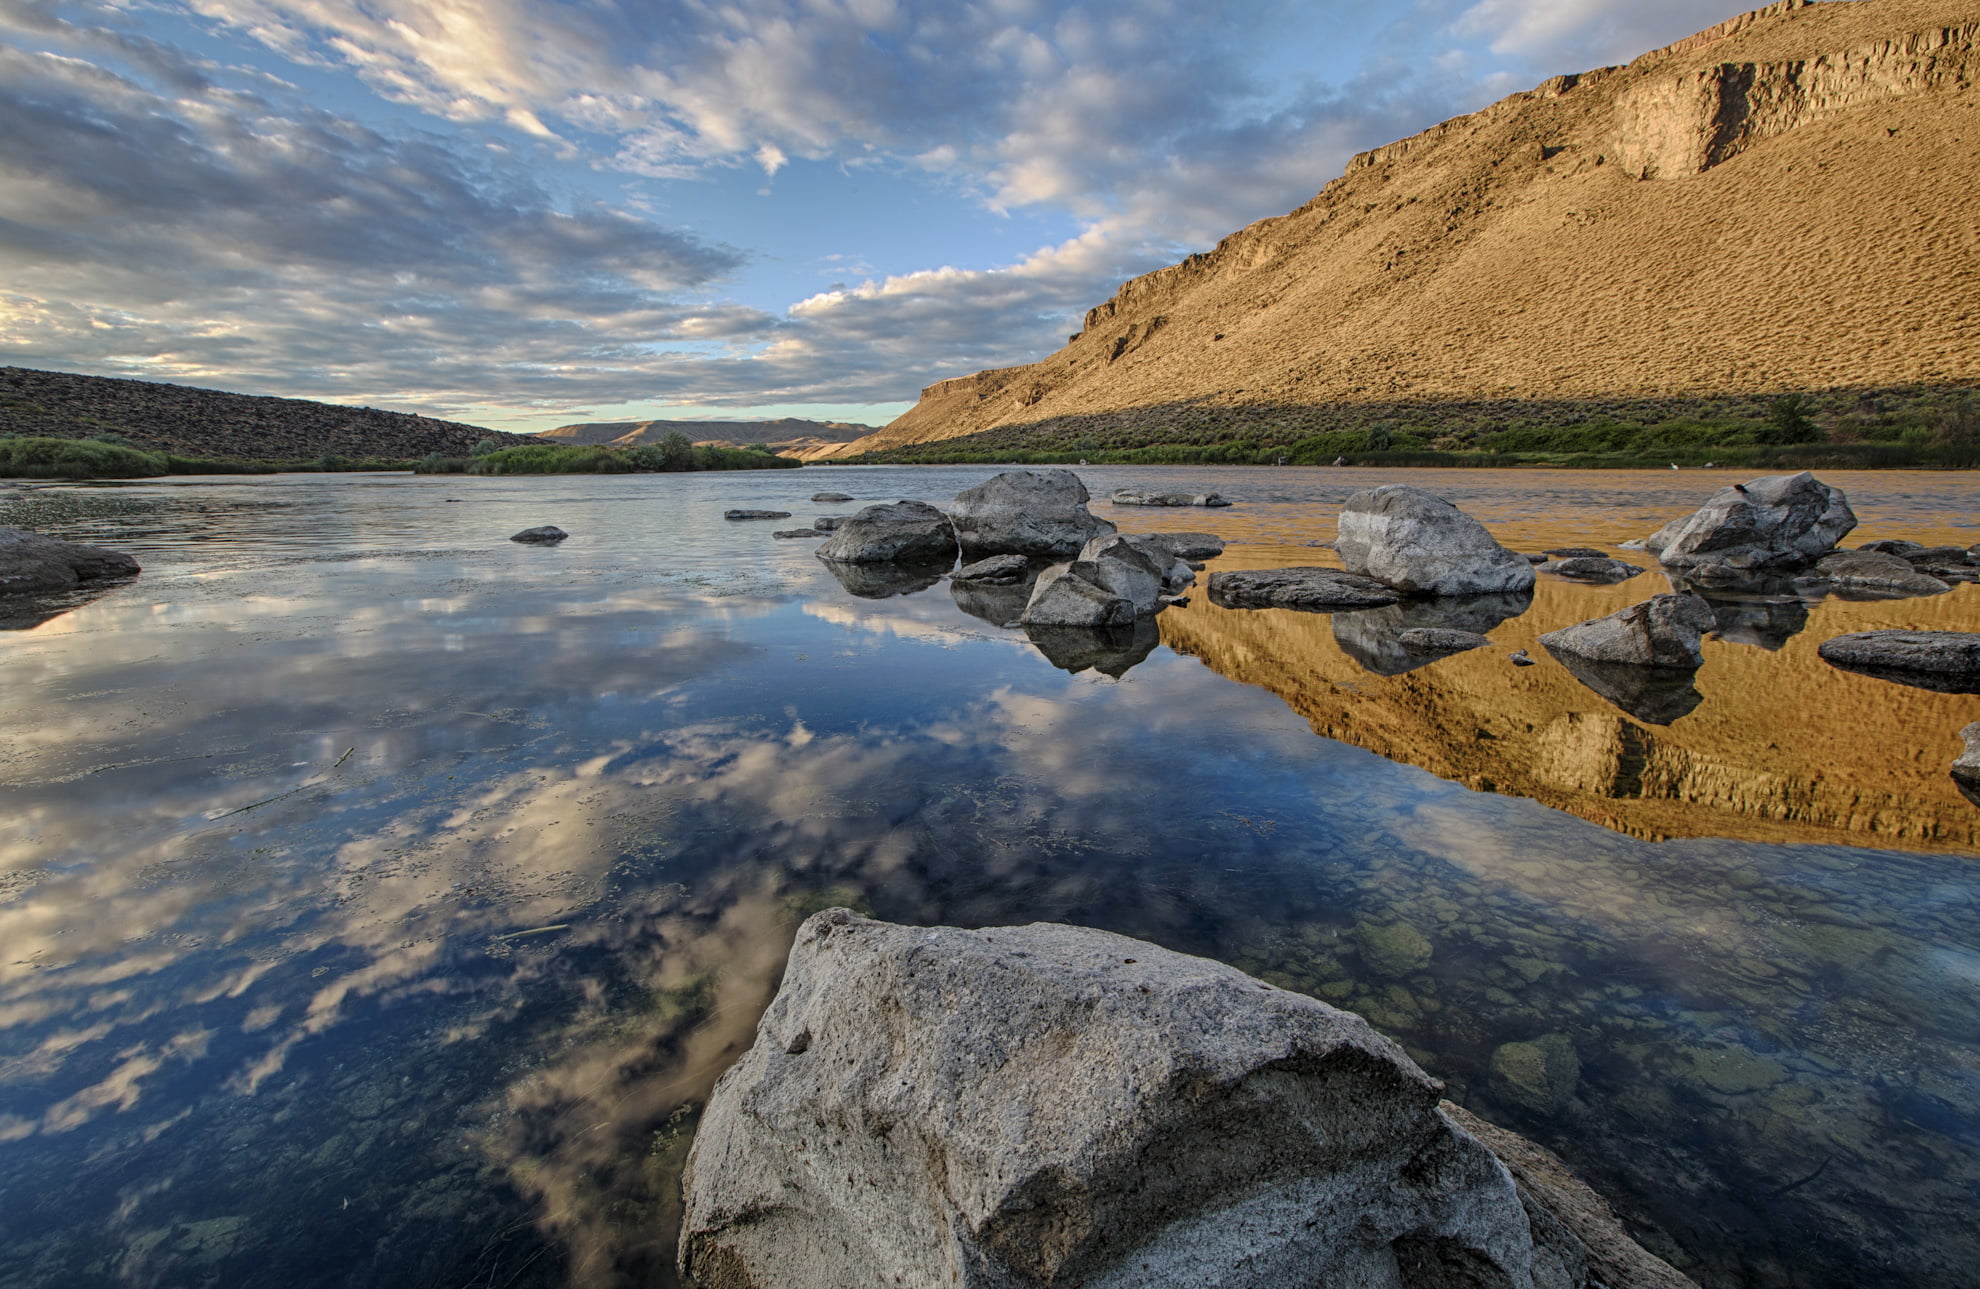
(1049, 1105)
(1663, 631)
(1948, 661)
(1039, 513)
(1777, 521)
(906, 532)
(31, 564)
(1420, 544)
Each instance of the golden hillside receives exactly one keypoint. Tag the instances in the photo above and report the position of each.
(1789, 201)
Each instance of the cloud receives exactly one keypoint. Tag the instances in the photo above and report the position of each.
(1575, 35)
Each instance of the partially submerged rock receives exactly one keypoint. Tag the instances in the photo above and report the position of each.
(1050, 1105)
(1137, 497)
(1777, 521)
(1947, 661)
(1069, 595)
(1191, 546)
(1966, 766)
(756, 514)
(829, 523)
(1663, 631)
(1298, 588)
(1591, 568)
(1577, 552)
(1038, 513)
(996, 569)
(799, 532)
(31, 564)
(830, 498)
(1420, 544)
(903, 532)
(1876, 571)
(544, 535)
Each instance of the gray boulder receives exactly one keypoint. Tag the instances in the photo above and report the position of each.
(799, 532)
(1321, 589)
(1892, 546)
(1175, 571)
(1875, 571)
(829, 523)
(1420, 544)
(1577, 552)
(756, 514)
(1191, 546)
(904, 532)
(546, 535)
(1040, 513)
(1138, 497)
(1777, 521)
(1663, 631)
(1049, 1105)
(830, 498)
(1947, 661)
(1137, 571)
(998, 569)
(1966, 766)
(1591, 568)
(31, 564)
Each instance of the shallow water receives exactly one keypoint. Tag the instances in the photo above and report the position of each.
(379, 898)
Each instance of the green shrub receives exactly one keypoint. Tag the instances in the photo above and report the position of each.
(28, 457)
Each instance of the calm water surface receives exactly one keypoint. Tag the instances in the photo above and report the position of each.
(379, 899)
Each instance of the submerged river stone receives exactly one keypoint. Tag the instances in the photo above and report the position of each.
(1420, 544)
(1948, 661)
(31, 564)
(1052, 1105)
(1298, 588)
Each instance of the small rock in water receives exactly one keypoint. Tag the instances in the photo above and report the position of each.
(1877, 571)
(799, 532)
(1596, 568)
(1892, 546)
(1190, 546)
(1577, 552)
(907, 532)
(33, 564)
(1420, 544)
(829, 523)
(998, 569)
(1777, 521)
(1440, 640)
(1298, 588)
(1663, 631)
(541, 536)
(756, 514)
(1947, 661)
(1136, 497)
(1038, 513)
(830, 498)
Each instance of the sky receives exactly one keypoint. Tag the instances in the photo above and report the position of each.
(525, 213)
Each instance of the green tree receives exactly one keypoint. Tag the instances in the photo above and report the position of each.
(485, 448)
(1788, 421)
(676, 451)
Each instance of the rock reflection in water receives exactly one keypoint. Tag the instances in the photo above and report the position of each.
(1764, 622)
(1653, 695)
(884, 581)
(1109, 650)
(1369, 635)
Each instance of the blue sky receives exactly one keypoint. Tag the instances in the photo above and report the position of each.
(523, 213)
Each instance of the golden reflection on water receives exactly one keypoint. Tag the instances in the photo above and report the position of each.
(1783, 747)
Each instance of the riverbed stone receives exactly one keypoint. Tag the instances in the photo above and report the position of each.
(31, 564)
(1191, 546)
(1138, 572)
(903, 532)
(997, 569)
(1142, 497)
(1591, 568)
(755, 514)
(1298, 588)
(1050, 1105)
(1420, 544)
(1038, 513)
(541, 536)
(1541, 1074)
(830, 498)
(799, 532)
(1877, 571)
(1776, 521)
(1662, 631)
(1948, 661)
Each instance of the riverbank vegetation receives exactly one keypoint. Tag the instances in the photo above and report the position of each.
(1915, 428)
(670, 454)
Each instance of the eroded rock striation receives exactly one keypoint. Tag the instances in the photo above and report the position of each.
(1420, 544)
(1037, 513)
(1051, 1105)
(31, 564)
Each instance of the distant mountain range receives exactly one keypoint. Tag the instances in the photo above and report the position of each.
(789, 436)
(212, 423)
(1787, 202)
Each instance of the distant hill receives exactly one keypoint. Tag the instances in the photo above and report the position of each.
(790, 435)
(1788, 202)
(211, 423)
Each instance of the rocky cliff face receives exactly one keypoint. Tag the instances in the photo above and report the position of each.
(788, 432)
(1790, 200)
